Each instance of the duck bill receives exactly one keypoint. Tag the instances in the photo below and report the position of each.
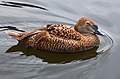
(98, 33)
(96, 30)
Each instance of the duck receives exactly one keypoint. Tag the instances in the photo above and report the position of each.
(61, 37)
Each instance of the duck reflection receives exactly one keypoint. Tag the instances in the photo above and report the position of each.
(52, 57)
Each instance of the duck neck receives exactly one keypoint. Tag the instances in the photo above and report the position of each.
(79, 29)
(76, 28)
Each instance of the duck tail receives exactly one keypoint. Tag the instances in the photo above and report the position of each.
(15, 35)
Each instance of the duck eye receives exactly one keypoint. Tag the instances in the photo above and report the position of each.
(87, 23)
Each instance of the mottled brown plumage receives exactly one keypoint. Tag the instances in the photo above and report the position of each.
(61, 37)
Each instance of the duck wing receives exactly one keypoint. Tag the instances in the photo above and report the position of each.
(62, 31)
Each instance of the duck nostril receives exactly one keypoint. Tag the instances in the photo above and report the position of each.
(95, 27)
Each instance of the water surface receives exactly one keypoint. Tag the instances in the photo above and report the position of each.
(31, 14)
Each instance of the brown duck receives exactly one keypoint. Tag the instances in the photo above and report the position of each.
(62, 37)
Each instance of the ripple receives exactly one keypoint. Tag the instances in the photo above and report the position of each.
(106, 43)
(20, 5)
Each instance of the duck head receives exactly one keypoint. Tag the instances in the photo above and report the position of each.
(87, 26)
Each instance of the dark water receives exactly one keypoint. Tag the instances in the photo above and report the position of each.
(22, 63)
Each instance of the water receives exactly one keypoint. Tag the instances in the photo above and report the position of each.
(31, 14)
